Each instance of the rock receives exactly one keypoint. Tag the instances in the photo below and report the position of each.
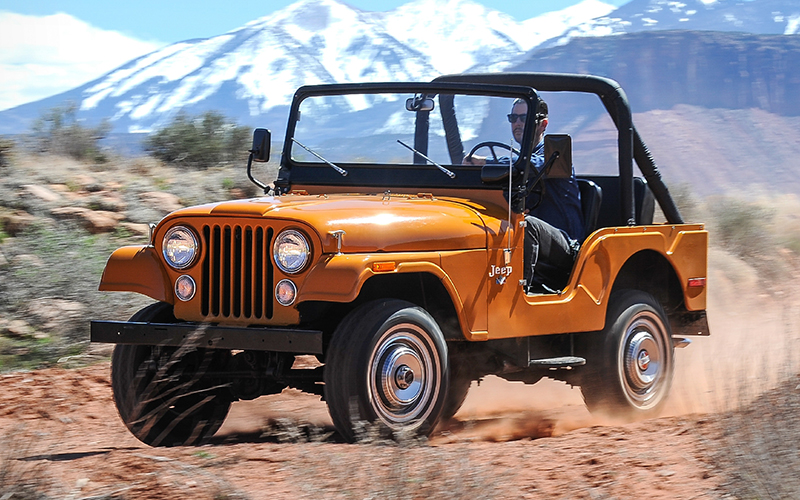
(107, 201)
(69, 212)
(17, 328)
(137, 229)
(95, 221)
(55, 314)
(166, 202)
(15, 222)
(101, 221)
(41, 192)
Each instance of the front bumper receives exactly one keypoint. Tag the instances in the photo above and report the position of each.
(208, 336)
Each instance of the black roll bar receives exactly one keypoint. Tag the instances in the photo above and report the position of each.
(629, 143)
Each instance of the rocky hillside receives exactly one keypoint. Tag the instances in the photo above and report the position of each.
(59, 222)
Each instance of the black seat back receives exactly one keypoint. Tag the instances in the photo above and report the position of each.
(610, 213)
(591, 199)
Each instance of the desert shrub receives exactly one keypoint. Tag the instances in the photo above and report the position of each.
(200, 141)
(741, 227)
(6, 148)
(58, 132)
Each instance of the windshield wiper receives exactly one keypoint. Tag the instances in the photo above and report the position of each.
(335, 167)
(449, 173)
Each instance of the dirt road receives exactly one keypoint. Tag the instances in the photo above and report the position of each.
(60, 433)
(63, 430)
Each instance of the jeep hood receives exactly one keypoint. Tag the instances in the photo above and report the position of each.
(372, 223)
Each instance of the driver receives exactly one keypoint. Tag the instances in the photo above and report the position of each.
(554, 219)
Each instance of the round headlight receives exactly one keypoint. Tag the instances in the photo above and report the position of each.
(179, 247)
(291, 251)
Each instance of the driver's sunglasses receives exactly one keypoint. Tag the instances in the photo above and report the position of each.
(514, 117)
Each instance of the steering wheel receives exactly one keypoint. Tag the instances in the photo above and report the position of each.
(491, 145)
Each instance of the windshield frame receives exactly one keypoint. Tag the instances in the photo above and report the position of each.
(422, 176)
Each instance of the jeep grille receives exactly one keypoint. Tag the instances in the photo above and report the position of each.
(237, 272)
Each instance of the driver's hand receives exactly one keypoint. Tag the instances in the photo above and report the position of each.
(478, 161)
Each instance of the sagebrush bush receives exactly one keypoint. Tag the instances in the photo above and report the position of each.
(200, 141)
(6, 148)
(742, 227)
(58, 132)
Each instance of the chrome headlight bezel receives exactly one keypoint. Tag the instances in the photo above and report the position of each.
(291, 251)
(177, 234)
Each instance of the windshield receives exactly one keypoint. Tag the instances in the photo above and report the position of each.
(366, 128)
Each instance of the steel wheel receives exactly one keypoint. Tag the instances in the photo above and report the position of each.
(630, 368)
(387, 363)
(643, 359)
(404, 374)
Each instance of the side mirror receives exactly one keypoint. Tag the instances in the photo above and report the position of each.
(261, 144)
(561, 144)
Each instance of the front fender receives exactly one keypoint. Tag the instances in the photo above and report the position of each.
(137, 269)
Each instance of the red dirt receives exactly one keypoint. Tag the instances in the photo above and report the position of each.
(60, 431)
(67, 433)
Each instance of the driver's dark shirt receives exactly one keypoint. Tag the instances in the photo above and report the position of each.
(560, 204)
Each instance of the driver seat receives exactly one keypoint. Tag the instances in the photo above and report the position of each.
(591, 199)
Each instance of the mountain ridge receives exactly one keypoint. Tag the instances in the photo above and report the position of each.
(251, 73)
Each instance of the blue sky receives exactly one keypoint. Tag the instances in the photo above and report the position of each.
(169, 21)
(51, 46)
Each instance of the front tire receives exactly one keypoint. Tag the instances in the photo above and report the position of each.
(168, 396)
(630, 366)
(387, 364)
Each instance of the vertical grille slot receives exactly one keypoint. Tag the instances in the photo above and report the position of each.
(237, 272)
(225, 279)
(248, 273)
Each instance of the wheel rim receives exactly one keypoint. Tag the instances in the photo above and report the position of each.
(644, 360)
(404, 375)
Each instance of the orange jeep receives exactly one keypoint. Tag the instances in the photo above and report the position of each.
(400, 269)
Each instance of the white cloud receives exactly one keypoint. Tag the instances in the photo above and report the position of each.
(43, 55)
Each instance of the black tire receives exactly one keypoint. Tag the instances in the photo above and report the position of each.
(458, 389)
(387, 364)
(165, 395)
(629, 370)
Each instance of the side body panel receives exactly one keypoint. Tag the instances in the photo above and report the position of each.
(582, 305)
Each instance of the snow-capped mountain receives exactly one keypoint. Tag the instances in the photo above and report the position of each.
(774, 17)
(251, 73)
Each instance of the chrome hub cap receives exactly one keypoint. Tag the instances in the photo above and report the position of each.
(404, 375)
(643, 359)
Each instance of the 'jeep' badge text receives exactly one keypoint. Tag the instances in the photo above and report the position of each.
(501, 272)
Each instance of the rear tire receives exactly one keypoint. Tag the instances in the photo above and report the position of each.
(631, 363)
(386, 364)
(168, 396)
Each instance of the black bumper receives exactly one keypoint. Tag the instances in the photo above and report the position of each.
(209, 336)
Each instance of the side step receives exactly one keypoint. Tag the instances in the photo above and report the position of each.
(555, 363)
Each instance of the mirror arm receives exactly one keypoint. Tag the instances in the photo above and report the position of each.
(253, 179)
(540, 173)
